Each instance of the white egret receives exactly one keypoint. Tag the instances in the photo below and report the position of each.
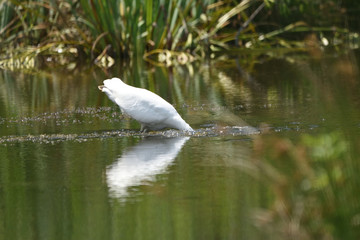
(149, 109)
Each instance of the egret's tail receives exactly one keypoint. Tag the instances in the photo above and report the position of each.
(188, 128)
(179, 123)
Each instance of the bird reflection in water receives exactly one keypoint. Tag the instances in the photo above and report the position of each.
(141, 163)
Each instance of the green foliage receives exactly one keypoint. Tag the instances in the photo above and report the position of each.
(314, 173)
(130, 26)
(327, 147)
(124, 28)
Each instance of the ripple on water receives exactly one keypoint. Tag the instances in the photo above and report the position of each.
(202, 132)
(108, 114)
(68, 116)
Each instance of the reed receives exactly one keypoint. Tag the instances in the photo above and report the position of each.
(133, 27)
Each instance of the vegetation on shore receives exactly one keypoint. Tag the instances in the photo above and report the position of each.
(164, 31)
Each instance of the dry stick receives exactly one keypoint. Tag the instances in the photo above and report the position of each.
(253, 15)
(95, 43)
(9, 25)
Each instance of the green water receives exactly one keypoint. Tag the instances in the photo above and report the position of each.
(72, 167)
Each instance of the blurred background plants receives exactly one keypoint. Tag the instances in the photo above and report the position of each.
(125, 28)
(313, 182)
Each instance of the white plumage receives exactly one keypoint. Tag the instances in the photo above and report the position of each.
(152, 111)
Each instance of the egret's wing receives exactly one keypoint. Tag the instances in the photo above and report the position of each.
(147, 107)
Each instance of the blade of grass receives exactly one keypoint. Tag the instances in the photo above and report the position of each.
(222, 22)
(149, 12)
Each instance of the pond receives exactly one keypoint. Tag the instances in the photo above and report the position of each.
(73, 167)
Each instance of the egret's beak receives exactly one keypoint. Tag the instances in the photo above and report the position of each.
(101, 87)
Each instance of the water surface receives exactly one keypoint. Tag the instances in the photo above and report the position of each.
(73, 167)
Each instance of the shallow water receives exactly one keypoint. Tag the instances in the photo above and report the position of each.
(73, 167)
